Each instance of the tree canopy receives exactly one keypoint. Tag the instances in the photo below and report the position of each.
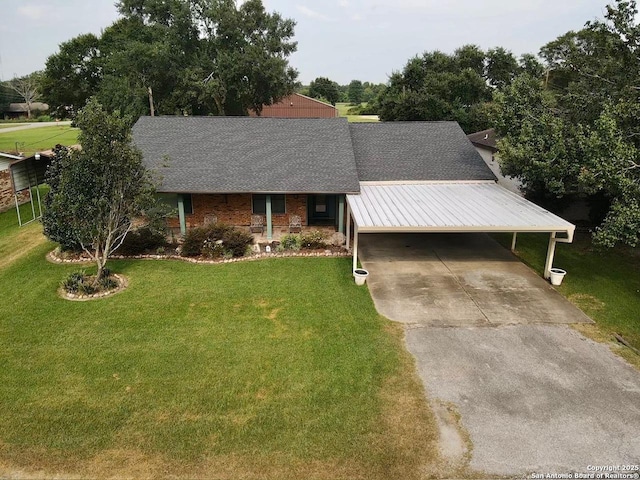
(97, 191)
(178, 57)
(325, 89)
(576, 132)
(439, 86)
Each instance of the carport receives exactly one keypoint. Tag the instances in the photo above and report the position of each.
(450, 207)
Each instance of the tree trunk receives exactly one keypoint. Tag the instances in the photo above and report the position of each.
(28, 110)
(153, 112)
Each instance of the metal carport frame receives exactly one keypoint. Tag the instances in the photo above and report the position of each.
(450, 207)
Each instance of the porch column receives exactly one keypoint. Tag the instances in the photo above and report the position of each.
(513, 241)
(181, 216)
(551, 250)
(341, 213)
(348, 224)
(355, 247)
(269, 225)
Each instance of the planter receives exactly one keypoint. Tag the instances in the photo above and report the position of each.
(360, 274)
(556, 275)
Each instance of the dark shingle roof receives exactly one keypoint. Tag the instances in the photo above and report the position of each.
(241, 154)
(485, 139)
(415, 151)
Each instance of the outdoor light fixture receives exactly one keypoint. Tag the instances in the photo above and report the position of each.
(37, 156)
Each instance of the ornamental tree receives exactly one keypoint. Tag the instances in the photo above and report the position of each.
(98, 190)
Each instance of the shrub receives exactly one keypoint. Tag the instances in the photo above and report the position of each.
(143, 240)
(73, 281)
(237, 242)
(217, 240)
(312, 240)
(290, 242)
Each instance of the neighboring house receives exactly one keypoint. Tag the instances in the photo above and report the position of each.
(485, 143)
(20, 110)
(375, 177)
(298, 106)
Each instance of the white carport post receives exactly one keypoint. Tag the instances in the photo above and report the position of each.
(513, 241)
(348, 224)
(551, 251)
(355, 246)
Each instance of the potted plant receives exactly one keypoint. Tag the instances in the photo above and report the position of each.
(360, 274)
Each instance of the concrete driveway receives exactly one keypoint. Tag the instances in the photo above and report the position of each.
(516, 390)
(457, 280)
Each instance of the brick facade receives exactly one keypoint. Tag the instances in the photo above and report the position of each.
(6, 192)
(235, 209)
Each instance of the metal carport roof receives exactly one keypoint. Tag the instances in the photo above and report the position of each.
(450, 207)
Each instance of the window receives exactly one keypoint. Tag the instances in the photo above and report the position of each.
(171, 199)
(277, 204)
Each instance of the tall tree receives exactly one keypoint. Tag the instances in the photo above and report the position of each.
(28, 88)
(355, 92)
(502, 67)
(324, 88)
(576, 132)
(97, 191)
(72, 75)
(178, 56)
(437, 86)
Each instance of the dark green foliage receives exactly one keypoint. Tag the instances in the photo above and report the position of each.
(214, 241)
(323, 88)
(290, 242)
(355, 92)
(73, 282)
(175, 57)
(141, 241)
(313, 240)
(575, 132)
(97, 191)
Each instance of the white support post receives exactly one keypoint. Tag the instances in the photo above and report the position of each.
(513, 241)
(341, 213)
(355, 247)
(348, 225)
(15, 197)
(39, 201)
(269, 220)
(550, 254)
(181, 215)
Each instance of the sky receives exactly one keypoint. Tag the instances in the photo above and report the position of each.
(341, 39)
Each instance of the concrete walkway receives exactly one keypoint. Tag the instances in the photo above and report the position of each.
(515, 390)
(27, 126)
(458, 280)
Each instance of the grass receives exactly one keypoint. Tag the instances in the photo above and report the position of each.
(8, 125)
(16, 242)
(38, 139)
(269, 369)
(605, 285)
(343, 108)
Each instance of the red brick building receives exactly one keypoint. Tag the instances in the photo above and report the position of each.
(298, 106)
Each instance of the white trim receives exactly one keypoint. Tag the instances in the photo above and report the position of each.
(314, 99)
(424, 182)
(470, 229)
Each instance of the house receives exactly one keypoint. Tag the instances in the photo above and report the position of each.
(355, 178)
(21, 110)
(485, 142)
(298, 106)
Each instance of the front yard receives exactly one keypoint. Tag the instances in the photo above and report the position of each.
(267, 369)
(38, 139)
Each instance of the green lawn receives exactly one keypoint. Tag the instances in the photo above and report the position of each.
(269, 369)
(343, 108)
(605, 285)
(37, 139)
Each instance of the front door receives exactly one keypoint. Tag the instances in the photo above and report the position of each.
(322, 209)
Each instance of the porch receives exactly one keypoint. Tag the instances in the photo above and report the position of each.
(278, 213)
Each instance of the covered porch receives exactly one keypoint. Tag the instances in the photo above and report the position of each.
(450, 207)
(267, 215)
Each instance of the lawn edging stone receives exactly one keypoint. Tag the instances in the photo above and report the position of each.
(123, 283)
(54, 257)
